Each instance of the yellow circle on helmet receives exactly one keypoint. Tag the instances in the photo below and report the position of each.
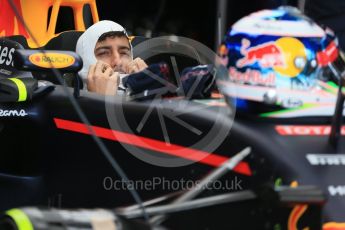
(294, 56)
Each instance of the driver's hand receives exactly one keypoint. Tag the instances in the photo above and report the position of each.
(102, 79)
(135, 66)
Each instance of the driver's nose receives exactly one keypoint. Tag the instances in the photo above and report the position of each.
(115, 60)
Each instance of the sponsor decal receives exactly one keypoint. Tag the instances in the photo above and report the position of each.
(52, 60)
(6, 56)
(13, 113)
(253, 77)
(326, 159)
(333, 226)
(305, 130)
(202, 70)
(336, 190)
(291, 102)
(266, 55)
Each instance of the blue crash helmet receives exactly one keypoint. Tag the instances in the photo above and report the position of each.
(280, 63)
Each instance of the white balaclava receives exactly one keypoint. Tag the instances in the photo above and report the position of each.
(87, 42)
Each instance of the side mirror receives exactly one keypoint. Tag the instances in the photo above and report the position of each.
(44, 61)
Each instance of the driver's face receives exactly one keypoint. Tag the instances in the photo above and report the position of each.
(115, 51)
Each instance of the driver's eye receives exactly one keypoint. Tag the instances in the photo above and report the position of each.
(124, 53)
(103, 53)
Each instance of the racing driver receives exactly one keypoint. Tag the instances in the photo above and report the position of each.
(107, 57)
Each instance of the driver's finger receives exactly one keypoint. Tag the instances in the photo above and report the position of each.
(141, 64)
(127, 68)
(101, 67)
(108, 72)
(134, 68)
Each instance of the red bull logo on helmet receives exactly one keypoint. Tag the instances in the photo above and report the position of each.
(285, 56)
(252, 77)
(267, 55)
